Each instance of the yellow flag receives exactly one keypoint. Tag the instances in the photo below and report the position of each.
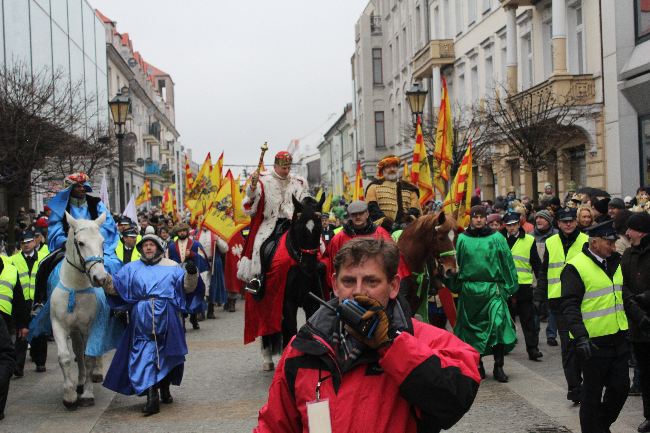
(219, 218)
(145, 194)
(238, 213)
(217, 174)
(459, 197)
(319, 194)
(203, 182)
(328, 203)
(347, 188)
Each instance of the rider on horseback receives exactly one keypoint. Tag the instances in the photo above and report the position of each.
(271, 208)
(392, 202)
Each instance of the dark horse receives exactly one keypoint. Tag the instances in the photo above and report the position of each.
(294, 270)
(426, 246)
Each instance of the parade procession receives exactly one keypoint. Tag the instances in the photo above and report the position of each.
(462, 248)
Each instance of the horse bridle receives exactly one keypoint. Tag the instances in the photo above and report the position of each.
(92, 259)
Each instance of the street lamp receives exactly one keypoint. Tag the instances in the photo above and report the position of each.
(120, 109)
(416, 97)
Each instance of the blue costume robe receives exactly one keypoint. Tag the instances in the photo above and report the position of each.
(217, 293)
(57, 235)
(195, 301)
(153, 345)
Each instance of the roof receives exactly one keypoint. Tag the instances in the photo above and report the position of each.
(103, 17)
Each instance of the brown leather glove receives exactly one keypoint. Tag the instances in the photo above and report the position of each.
(375, 309)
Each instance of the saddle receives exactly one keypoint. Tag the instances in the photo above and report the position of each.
(45, 268)
(257, 286)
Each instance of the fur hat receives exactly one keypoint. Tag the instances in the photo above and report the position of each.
(181, 226)
(149, 237)
(639, 222)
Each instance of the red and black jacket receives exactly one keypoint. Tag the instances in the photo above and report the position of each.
(425, 381)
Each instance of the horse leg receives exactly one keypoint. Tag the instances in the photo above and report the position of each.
(78, 348)
(98, 370)
(87, 398)
(289, 317)
(65, 361)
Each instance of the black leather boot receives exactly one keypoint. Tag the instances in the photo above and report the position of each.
(153, 402)
(165, 395)
(481, 369)
(194, 321)
(231, 305)
(498, 373)
(211, 311)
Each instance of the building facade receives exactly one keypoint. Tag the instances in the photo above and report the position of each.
(59, 37)
(626, 62)
(528, 47)
(151, 148)
(338, 152)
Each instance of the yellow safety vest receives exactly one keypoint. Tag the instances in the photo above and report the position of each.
(602, 305)
(27, 279)
(521, 256)
(43, 252)
(119, 251)
(8, 279)
(557, 260)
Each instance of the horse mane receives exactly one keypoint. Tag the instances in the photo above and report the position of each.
(418, 241)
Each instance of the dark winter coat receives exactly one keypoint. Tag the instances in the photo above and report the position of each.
(635, 266)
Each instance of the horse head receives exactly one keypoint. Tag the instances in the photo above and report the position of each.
(306, 227)
(85, 248)
(430, 236)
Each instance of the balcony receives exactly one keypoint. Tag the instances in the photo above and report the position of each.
(517, 3)
(128, 152)
(577, 89)
(438, 52)
(153, 134)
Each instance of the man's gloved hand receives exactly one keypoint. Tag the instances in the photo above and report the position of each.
(191, 268)
(108, 285)
(585, 347)
(380, 336)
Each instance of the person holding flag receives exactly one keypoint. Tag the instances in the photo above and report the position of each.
(391, 201)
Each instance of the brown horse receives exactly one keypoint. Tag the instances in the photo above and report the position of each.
(427, 244)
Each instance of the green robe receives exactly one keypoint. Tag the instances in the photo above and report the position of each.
(486, 279)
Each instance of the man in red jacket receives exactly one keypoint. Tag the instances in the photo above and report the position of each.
(405, 376)
(358, 225)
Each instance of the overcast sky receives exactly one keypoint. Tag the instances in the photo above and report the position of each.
(246, 72)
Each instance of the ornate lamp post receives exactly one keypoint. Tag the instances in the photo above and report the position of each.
(120, 109)
(416, 97)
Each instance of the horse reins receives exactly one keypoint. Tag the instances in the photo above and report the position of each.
(92, 259)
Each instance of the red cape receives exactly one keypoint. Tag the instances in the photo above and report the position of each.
(256, 222)
(265, 317)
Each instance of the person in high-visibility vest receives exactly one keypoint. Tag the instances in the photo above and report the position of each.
(27, 262)
(527, 264)
(592, 304)
(40, 236)
(126, 251)
(14, 317)
(559, 249)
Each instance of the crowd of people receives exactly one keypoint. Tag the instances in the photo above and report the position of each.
(576, 264)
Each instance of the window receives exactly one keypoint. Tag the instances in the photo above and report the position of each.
(489, 72)
(547, 36)
(504, 57)
(642, 12)
(577, 165)
(417, 40)
(487, 6)
(403, 48)
(436, 33)
(471, 11)
(446, 20)
(459, 17)
(377, 73)
(474, 80)
(580, 57)
(461, 87)
(396, 59)
(644, 149)
(527, 61)
(380, 138)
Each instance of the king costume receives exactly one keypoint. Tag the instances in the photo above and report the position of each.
(152, 350)
(271, 207)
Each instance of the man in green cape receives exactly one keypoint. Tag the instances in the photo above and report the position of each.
(486, 279)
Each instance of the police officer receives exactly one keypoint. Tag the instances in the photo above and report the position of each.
(559, 249)
(27, 262)
(527, 263)
(592, 306)
(126, 250)
(13, 314)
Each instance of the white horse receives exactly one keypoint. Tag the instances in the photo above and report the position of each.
(73, 306)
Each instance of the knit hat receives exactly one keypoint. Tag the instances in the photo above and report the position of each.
(616, 203)
(545, 214)
(478, 210)
(639, 222)
(601, 205)
(494, 217)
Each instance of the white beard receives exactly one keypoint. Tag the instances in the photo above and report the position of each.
(391, 177)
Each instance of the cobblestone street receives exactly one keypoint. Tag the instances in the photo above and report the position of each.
(224, 388)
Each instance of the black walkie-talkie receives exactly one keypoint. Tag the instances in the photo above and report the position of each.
(351, 313)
